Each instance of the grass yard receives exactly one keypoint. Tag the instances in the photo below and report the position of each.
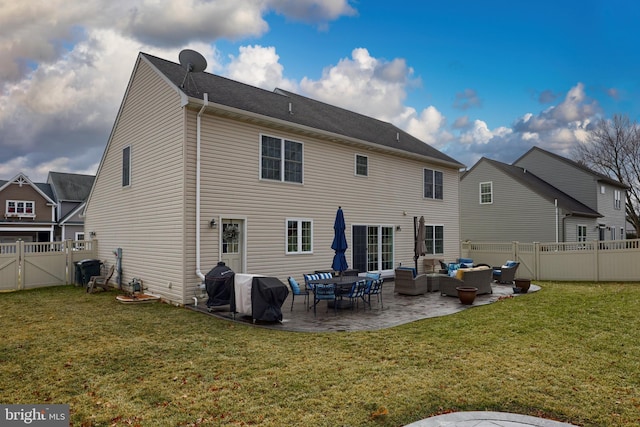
(570, 352)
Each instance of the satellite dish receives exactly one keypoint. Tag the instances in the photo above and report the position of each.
(192, 61)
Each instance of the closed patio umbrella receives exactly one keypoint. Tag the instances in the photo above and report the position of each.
(339, 244)
(419, 246)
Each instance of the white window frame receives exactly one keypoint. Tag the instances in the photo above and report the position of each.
(433, 240)
(16, 208)
(617, 201)
(366, 165)
(490, 193)
(126, 168)
(283, 160)
(434, 186)
(299, 236)
(79, 235)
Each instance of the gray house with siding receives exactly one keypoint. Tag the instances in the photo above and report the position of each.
(542, 197)
(601, 193)
(200, 169)
(70, 191)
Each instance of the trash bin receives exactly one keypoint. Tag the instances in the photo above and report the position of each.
(85, 269)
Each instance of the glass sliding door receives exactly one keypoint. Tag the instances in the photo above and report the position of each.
(372, 247)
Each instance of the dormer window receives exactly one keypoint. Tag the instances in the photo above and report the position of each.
(20, 208)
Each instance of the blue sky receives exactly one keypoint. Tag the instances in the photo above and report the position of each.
(471, 78)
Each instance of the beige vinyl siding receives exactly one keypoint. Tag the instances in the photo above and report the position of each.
(232, 187)
(145, 219)
(516, 214)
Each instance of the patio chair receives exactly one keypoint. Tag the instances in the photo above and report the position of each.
(357, 292)
(324, 293)
(295, 290)
(506, 273)
(408, 284)
(100, 281)
(374, 287)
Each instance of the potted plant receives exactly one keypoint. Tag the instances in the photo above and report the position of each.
(467, 294)
(523, 284)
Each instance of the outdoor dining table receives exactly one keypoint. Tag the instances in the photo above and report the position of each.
(343, 284)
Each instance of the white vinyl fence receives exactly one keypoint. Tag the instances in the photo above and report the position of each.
(28, 265)
(594, 261)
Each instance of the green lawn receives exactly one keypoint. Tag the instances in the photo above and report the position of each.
(570, 352)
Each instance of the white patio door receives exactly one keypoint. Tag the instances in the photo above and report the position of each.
(232, 243)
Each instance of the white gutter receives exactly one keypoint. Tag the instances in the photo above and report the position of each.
(198, 142)
(555, 202)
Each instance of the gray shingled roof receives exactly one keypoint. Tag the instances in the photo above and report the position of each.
(543, 188)
(71, 187)
(578, 165)
(304, 111)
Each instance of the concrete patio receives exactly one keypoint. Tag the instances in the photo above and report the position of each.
(396, 310)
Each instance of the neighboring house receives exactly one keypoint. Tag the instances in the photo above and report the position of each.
(542, 197)
(28, 211)
(43, 212)
(199, 169)
(601, 193)
(70, 191)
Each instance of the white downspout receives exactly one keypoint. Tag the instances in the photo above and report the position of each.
(198, 143)
(555, 202)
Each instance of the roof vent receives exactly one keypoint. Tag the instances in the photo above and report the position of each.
(290, 108)
(398, 136)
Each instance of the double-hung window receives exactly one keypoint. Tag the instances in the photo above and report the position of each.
(433, 184)
(434, 239)
(617, 202)
(362, 165)
(20, 208)
(299, 236)
(486, 193)
(280, 159)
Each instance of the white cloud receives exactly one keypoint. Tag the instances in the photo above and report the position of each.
(362, 83)
(259, 66)
(313, 11)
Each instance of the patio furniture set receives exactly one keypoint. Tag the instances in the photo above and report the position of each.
(343, 291)
(453, 277)
(346, 290)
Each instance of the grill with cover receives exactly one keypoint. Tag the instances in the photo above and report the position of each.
(219, 285)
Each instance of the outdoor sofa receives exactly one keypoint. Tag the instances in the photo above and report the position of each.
(478, 277)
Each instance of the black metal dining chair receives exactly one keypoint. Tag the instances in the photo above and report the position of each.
(324, 293)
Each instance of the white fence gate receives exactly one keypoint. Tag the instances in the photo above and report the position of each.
(28, 265)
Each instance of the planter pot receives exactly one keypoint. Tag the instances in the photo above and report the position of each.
(523, 284)
(467, 294)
